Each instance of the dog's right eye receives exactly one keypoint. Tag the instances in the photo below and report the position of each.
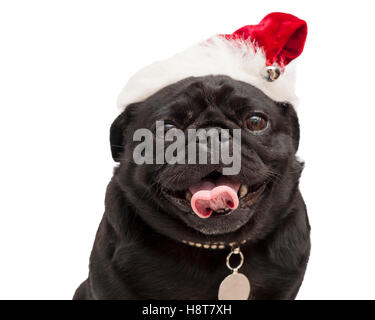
(167, 127)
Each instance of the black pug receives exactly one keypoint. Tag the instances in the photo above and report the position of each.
(151, 245)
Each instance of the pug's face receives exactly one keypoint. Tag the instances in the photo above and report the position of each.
(161, 193)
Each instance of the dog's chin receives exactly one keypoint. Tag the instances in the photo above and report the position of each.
(224, 221)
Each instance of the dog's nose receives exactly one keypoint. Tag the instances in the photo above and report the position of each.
(211, 141)
(211, 133)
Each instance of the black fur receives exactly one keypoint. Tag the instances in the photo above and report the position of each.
(138, 252)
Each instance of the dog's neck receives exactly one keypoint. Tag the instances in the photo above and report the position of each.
(213, 245)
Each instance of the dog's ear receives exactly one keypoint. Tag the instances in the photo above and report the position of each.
(292, 117)
(118, 129)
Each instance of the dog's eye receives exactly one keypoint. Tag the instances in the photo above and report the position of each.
(167, 127)
(256, 123)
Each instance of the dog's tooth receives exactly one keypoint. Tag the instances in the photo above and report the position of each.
(243, 190)
(188, 195)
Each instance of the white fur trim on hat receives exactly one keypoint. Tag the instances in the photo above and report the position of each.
(240, 60)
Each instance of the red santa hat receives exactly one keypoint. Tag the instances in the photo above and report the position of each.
(260, 55)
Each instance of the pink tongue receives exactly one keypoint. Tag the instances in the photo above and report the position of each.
(211, 196)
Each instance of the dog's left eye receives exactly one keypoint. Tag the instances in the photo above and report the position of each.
(256, 123)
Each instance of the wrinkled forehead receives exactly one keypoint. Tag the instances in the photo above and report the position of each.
(221, 94)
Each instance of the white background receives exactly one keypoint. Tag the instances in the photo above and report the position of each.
(62, 65)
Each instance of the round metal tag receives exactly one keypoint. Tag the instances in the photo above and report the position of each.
(236, 286)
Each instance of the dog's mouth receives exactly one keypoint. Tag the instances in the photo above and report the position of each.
(217, 195)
